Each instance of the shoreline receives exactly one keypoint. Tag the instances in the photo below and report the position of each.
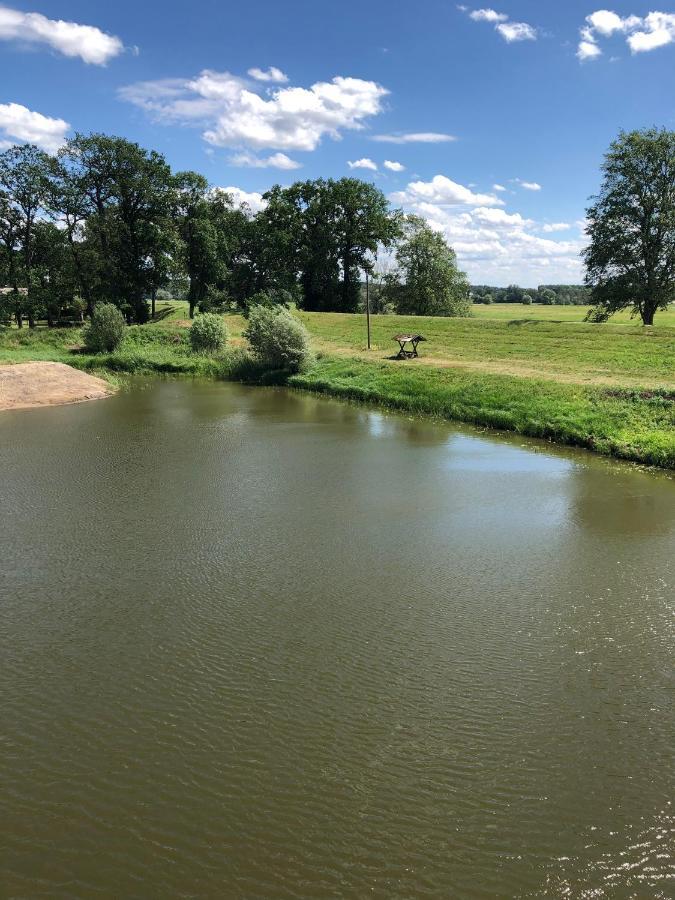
(39, 384)
(632, 423)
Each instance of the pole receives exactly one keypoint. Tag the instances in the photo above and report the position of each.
(368, 308)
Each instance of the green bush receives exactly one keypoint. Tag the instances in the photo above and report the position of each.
(277, 339)
(208, 333)
(105, 331)
(271, 299)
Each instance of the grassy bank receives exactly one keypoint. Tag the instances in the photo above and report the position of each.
(625, 423)
(609, 388)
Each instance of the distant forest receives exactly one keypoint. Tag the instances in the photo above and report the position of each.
(546, 294)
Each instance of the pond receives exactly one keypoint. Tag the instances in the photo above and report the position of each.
(259, 644)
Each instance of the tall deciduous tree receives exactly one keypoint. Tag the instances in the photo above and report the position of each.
(324, 231)
(427, 281)
(127, 193)
(630, 261)
(23, 177)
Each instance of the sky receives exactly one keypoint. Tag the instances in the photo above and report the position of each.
(489, 121)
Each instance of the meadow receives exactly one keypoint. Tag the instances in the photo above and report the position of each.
(538, 371)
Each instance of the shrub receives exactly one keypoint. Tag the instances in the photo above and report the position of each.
(277, 339)
(270, 299)
(105, 331)
(208, 333)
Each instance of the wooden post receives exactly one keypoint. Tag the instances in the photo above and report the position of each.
(368, 308)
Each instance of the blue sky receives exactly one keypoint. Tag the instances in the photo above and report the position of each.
(493, 119)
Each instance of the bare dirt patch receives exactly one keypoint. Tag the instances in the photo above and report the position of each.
(47, 384)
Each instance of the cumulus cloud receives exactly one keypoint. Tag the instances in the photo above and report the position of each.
(69, 38)
(556, 226)
(275, 161)
(656, 29)
(498, 187)
(487, 15)
(394, 166)
(529, 185)
(269, 75)
(415, 137)
(441, 191)
(516, 31)
(24, 126)
(493, 245)
(233, 115)
(252, 199)
(510, 31)
(364, 163)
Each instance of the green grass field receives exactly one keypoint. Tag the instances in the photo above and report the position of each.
(610, 388)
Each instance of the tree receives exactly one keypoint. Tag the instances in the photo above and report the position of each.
(23, 179)
(55, 281)
(547, 297)
(123, 193)
(323, 233)
(201, 222)
(630, 260)
(427, 282)
(513, 294)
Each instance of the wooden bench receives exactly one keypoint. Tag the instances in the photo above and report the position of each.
(403, 340)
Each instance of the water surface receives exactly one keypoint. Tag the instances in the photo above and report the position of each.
(259, 644)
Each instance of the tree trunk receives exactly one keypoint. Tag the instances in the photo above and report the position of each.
(153, 297)
(647, 312)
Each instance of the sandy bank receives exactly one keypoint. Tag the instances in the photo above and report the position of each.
(47, 384)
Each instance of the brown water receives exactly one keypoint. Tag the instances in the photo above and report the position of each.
(262, 645)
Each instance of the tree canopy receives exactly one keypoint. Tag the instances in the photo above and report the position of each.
(630, 260)
(427, 281)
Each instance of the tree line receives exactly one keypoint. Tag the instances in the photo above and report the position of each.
(106, 220)
(546, 294)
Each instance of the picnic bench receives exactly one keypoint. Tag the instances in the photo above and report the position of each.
(406, 352)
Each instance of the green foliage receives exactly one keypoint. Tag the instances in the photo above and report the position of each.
(105, 331)
(278, 339)
(428, 282)
(327, 231)
(271, 299)
(630, 260)
(208, 333)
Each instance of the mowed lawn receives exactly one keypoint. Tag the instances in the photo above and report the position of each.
(608, 354)
(542, 342)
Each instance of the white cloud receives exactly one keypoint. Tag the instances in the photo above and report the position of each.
(493, 245)
(89, 43)
(516, 31)
(510, 31)
(269, 75)
(364, 163)
(417, 137)
(394, 166)
(232, 115)
(556, 226)
(498, 187)
(498, 218)
(487, 15)
(22, 125)
(253, 199)
(529, 185)
(275, 161)
(441, 191)
(656, 29)
(588, 50)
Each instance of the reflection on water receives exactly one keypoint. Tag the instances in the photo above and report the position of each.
(260, 644)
